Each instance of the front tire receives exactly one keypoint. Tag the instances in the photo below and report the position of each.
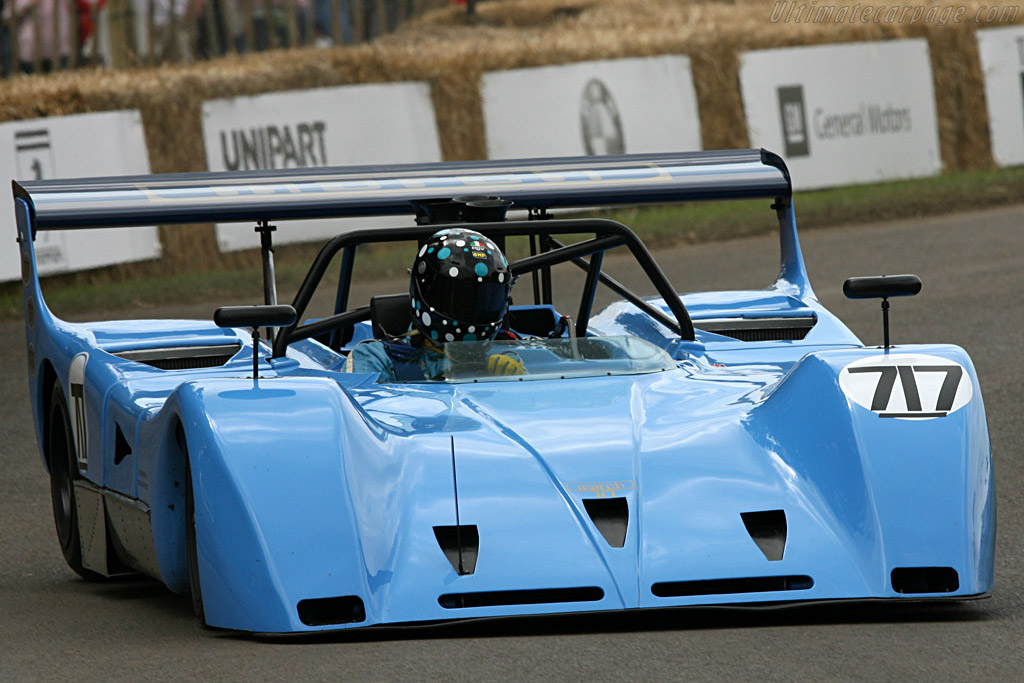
(60, 453)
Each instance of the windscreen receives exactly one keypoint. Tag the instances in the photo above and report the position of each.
(563, 358)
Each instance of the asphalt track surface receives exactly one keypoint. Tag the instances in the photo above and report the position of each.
(54, 626)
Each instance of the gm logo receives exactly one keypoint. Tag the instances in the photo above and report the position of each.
(793, 115)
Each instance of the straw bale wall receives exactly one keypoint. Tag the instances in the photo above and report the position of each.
(441, 49)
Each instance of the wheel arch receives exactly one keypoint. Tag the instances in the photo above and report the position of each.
(165, 476)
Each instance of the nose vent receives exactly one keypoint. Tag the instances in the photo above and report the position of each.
(347, 609)
(925, 580)
(539, 596)
(122, 449)
(768, 530)
(460, 545)
(754, 584)
(611, 517)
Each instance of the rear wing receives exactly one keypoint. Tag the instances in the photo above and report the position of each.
(532, 184)
(253, 196)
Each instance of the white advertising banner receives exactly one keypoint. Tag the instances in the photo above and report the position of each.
(89, 145)
(388, 123)
(844, 114)
(1002, 62)
(621, 106)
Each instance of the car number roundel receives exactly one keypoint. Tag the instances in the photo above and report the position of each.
(907, 386)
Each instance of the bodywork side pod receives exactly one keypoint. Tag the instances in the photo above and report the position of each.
(879, 469)
(277, 449)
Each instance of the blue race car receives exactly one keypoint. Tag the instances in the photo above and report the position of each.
(724, 448)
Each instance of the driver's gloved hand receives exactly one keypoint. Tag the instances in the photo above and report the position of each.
(505, 364)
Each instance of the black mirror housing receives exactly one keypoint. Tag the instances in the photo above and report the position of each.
(881, 286)
(255, 316)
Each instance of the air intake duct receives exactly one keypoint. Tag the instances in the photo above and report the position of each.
(464, 209)
(347, 609)
(925, 580)
(479, 209)
(439, 210)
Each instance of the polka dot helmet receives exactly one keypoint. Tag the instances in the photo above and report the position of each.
(459, 287)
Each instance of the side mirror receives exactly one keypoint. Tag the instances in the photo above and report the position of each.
(882, 287)
(255, 316)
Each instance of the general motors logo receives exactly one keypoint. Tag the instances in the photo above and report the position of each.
(793, 115)
(600, 123)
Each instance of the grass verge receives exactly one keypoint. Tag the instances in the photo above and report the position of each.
(658, 226)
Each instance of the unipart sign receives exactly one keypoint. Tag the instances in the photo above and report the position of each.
(386, 123)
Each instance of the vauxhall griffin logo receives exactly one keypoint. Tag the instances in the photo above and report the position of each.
(599, 120)
(792, 113)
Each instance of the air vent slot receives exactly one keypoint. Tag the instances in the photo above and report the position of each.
(450, 537)
(925, 580)
(121, 447)
(611, 517)
(758, 329)
(539, 596)
(347, 609)
(757, 584)
(183, 357)
(768, 530)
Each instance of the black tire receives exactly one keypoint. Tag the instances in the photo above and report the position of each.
(60, 453)
(194, 587)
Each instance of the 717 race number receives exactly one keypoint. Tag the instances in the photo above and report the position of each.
(907, 386)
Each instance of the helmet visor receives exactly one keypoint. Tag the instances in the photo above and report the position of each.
(468, 301)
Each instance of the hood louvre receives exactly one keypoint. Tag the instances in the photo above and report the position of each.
(449, 538)
(611, 517)
(768, 530)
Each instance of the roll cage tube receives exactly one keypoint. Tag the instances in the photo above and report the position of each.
(608, 234)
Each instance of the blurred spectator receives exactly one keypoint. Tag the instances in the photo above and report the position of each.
(215, 28)
(376, 25)
(324, 20)
(160, 26)
(5, 42)
(470, 8)
(87, 11)
(271, 20)
(43, 33)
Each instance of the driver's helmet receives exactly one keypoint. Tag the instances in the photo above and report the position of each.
(459, 287)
